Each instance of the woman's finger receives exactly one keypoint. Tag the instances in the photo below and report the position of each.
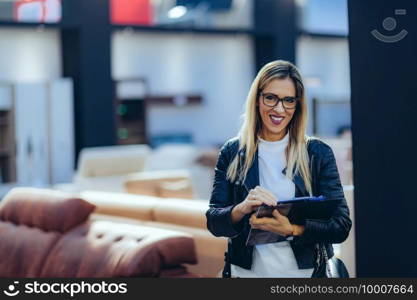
(263, 221)
(266, 198)
(254, 219)
(260, 227)
(255, 202)
(269, 194)
(276, 213)
(261, 189)
(261, 195)
(266, 191)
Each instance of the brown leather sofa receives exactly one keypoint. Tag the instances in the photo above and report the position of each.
(46, 233)
(183, 215)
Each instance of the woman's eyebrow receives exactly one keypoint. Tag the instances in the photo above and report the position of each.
(278, 96)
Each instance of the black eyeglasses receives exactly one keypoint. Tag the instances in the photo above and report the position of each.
(272, 100)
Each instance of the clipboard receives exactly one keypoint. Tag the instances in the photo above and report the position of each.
(258, 236)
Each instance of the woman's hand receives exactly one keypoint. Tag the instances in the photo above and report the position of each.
(255, 198)
(277, 224)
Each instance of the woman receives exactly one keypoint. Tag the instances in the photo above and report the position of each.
(271, 159)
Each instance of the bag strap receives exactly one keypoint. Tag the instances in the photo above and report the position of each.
(321, 262)
(226, 273)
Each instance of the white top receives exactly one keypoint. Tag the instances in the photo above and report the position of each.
(274, 259)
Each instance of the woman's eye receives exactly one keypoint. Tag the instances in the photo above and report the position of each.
(270, 97)
(289, 100)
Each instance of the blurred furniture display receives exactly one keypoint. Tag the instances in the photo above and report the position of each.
(157, 140)
(329, 114)
(342, 149)
(131, 111)
(171, 170)
(37, 122)
(184, 157)
(45, 233)
(175, 214)
(61, 130)
(32, 139)
(105, 168)
(132, 101)
(165, 184)
(172, 157)
(177, 100)
(208, 158)
(7, 140)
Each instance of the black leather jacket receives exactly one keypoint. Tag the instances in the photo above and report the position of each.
(324, 222)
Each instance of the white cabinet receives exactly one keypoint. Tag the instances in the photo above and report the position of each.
(61, 130)
(44, 132)
(31, 125)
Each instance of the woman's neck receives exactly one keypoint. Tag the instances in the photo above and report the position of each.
(273, 137)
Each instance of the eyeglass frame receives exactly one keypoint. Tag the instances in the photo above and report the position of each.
(278, 100)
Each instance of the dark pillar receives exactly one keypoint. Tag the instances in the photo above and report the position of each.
(275, 28)
(86, 45)
(384, 125)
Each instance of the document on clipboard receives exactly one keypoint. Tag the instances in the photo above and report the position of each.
(258, 236)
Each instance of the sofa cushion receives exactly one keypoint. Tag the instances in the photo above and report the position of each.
(112, 160)
(165, 183)
(45, 209)
(124, 205)
(177, 272)
(180, 189)
(23, 249)
(210, 249)
(182, 212)
(102, 248)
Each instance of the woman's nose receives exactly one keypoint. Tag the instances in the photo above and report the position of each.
(279, 107)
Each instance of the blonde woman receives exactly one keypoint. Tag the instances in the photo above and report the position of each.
(272, 158)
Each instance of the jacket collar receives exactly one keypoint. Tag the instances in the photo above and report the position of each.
(252, 178)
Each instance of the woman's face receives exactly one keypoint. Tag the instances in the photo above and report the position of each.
(276, 119)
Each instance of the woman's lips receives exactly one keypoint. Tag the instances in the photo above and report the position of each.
(275, 119)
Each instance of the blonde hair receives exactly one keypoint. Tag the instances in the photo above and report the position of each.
(296, 151)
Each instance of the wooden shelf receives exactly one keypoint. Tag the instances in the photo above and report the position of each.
(178, 29)
(310, 34)
(175, 100)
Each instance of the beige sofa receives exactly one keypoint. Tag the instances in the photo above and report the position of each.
(173, 170)
(164, 184)
(176, 214)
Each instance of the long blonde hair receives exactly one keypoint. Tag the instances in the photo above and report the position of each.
(296, 151)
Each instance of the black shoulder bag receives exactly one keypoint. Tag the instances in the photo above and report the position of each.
(328, 268)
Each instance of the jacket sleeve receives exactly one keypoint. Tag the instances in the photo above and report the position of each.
(336, 228)
(219, 221)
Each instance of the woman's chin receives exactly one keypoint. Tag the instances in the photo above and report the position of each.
(275, 130)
